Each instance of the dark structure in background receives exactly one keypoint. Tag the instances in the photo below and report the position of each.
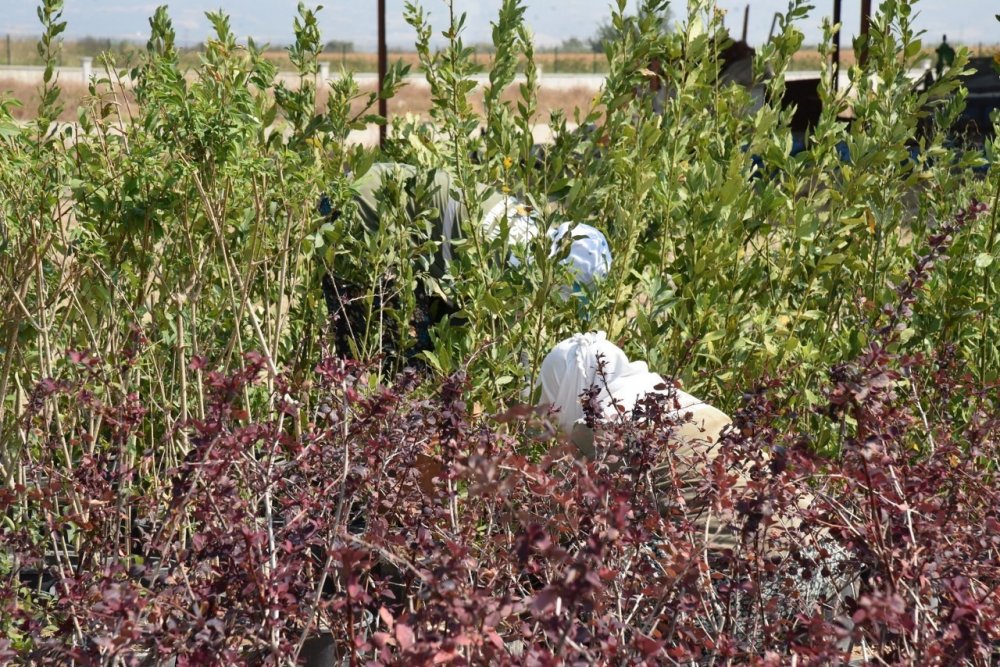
(804, 93)
(984, 97)
(983, 85)
(973, 125)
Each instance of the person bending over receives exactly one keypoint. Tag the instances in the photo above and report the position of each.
(589, 257)
(590, 360)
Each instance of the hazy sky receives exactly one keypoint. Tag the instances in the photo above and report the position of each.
(969, 21)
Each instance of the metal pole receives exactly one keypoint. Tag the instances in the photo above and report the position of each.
(866, 19)
(383, 58)
(836, 45)
(746, 23)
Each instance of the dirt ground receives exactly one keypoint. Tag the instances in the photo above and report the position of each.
(557, 62)
(553, 61)
(411, 99)
(23, 52)
(414, 99)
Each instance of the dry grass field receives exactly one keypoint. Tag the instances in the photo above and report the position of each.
(807, 58)
(411, 99)
(552, 62)
(22, 52)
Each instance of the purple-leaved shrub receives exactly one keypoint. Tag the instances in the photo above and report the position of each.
(398, 529)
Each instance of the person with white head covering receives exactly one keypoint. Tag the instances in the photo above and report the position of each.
(573, 367)
(587, 258)
(589, 360)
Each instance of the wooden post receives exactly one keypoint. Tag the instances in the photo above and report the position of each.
(866, 19)
(836, 46)
(383, 57)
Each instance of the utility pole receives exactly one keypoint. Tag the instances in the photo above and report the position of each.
(383, 57)
(836, 45)
(866, 19)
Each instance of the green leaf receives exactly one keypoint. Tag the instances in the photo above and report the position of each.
(983, 260)
(830, 261)
(432, 360)
(714, 336)
(8, 130)
(769, 345)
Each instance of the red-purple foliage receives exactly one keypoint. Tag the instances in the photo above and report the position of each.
(405, 531)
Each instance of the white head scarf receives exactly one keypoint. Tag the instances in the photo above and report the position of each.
(571, 367)
(589, 256)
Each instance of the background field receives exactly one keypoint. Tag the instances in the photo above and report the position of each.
(409, 100)
(22, 51)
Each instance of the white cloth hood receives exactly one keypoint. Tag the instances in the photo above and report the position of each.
(589, 258)
(572, 366)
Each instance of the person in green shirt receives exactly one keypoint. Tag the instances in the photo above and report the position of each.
(452, 213)
(588, 260)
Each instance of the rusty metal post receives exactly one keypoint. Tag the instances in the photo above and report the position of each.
(383, 58)
(866, 19)
(836, 46)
